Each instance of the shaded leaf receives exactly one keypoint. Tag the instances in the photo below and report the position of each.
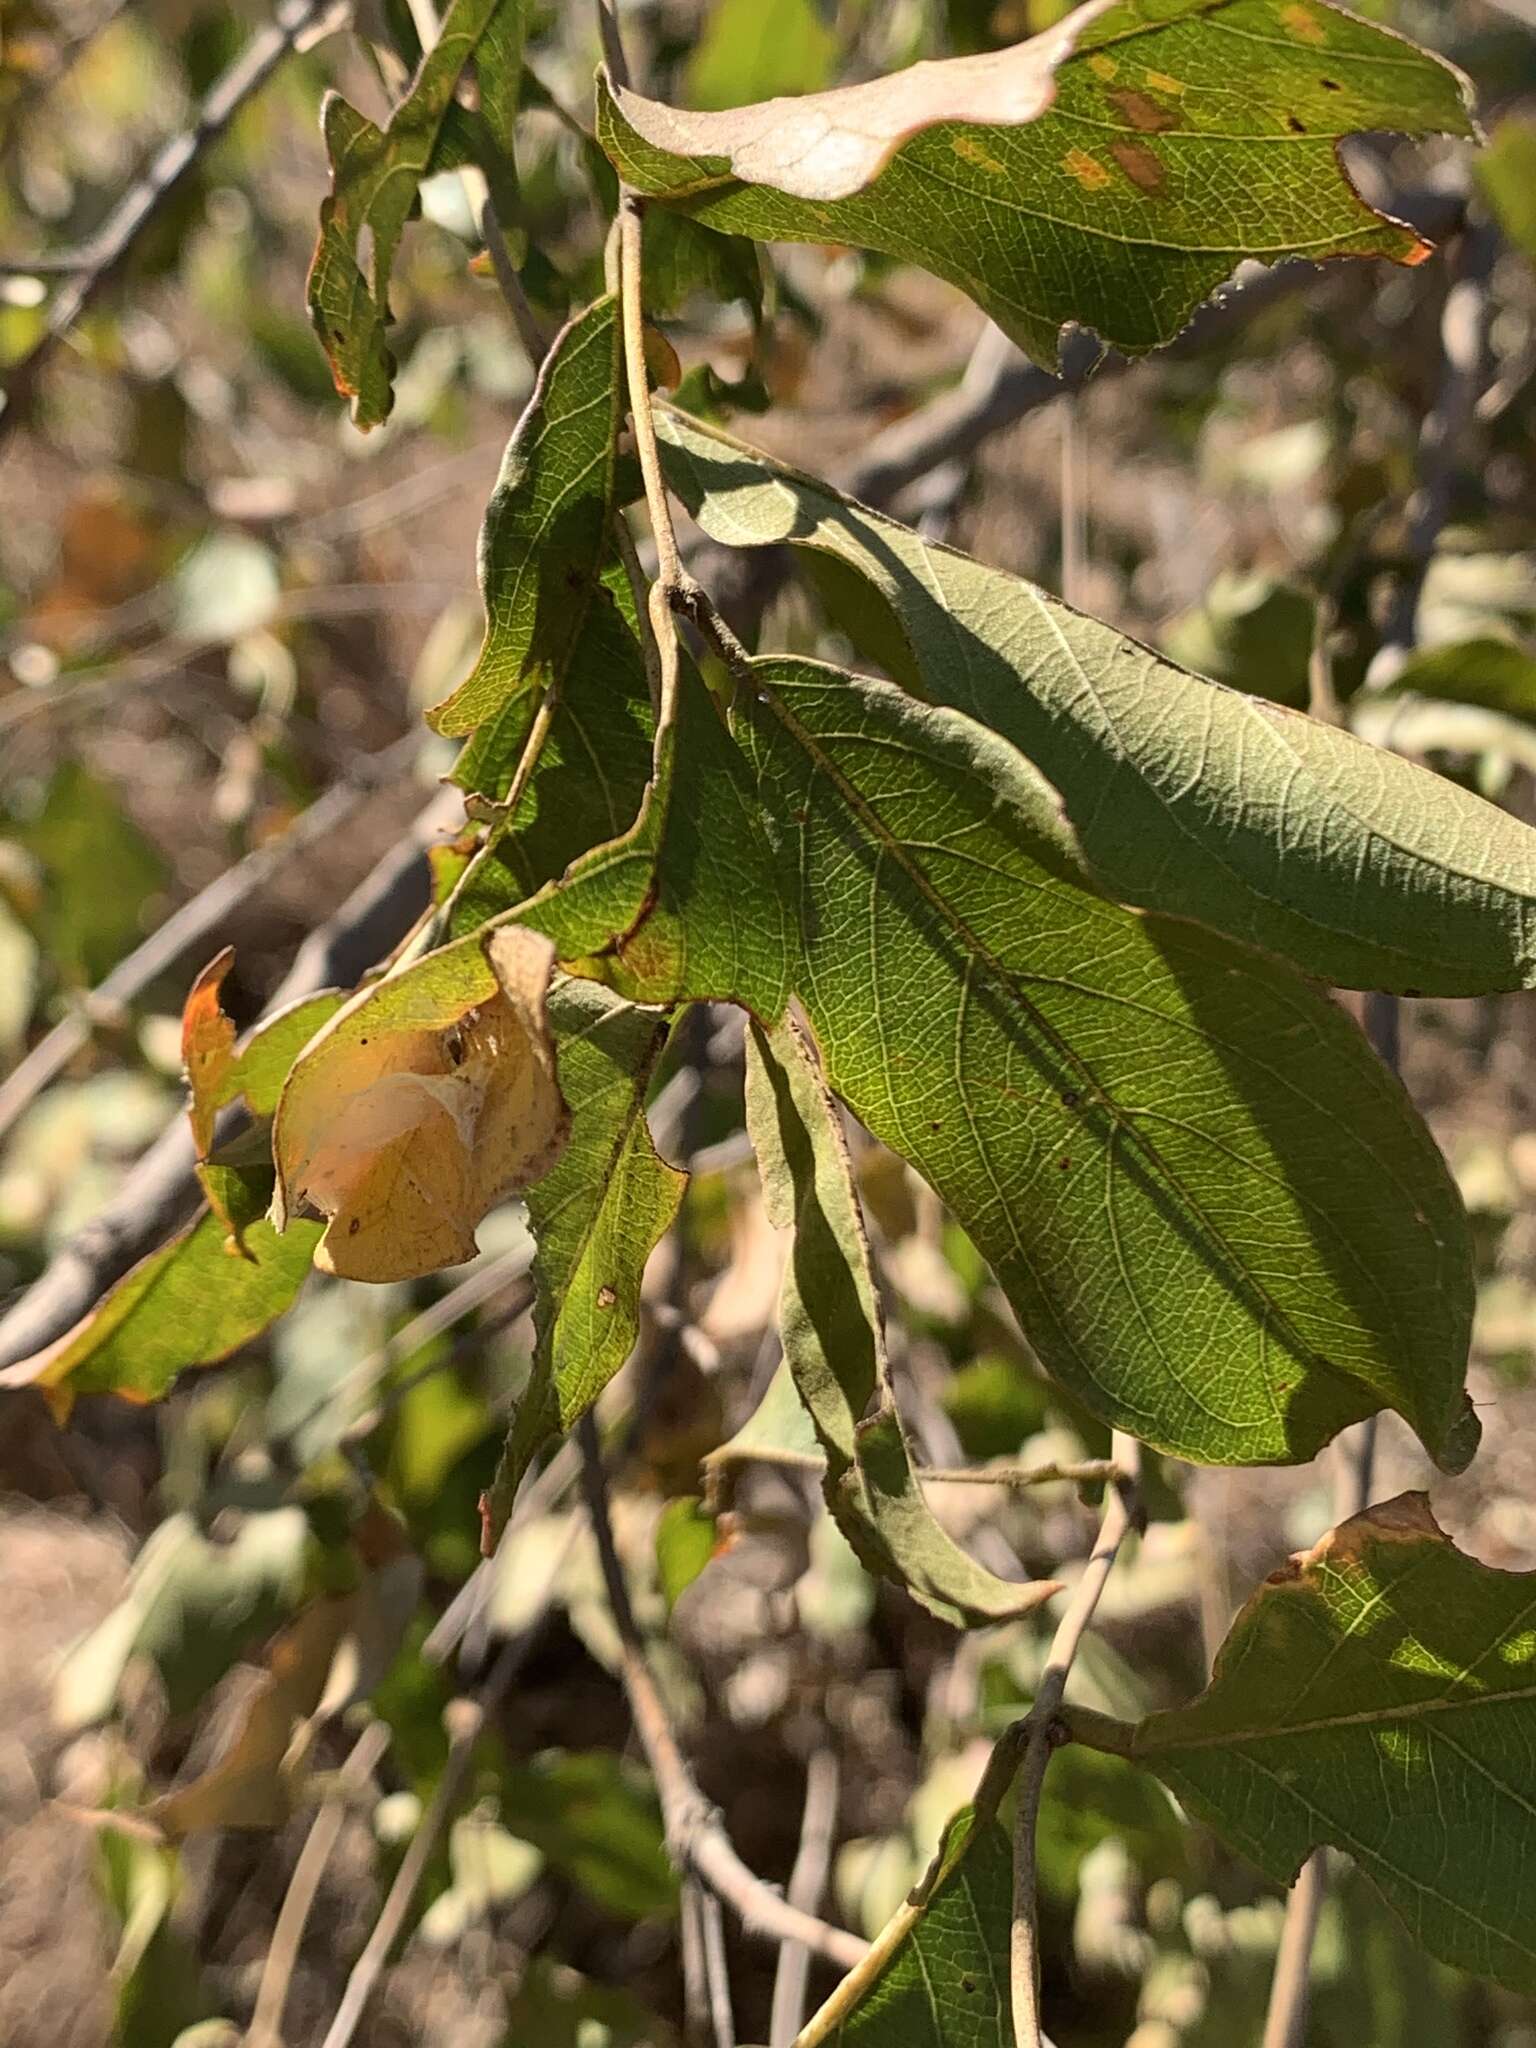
(249, 1786)
(597, 1218)
(1383, 876)
(1217, 1216)
(1506, 171)
(834, 1343)
(1377, 1695)
(375, 176)
(1181, 137)
(1494, 675)
(595, 1818)
(547, 528)
(99, 871)
(427, 1099)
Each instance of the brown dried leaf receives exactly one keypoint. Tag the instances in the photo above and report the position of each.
(829, 145)
(207, 1049)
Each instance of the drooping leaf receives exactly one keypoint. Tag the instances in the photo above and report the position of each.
(597, 1218)
(1218, 1218)
(189, 1303)
(1506, 171)
(1111, 172)
(943, 1975)
(375, 177)
(834, 1342)
(547, 528)
(1365, 869)
(685, 1542)
(427, 1099)
(1376, 1695)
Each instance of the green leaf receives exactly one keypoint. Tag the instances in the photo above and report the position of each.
(99, 870)
(1217, 1216)
(755, 49)
(547, 533)
(191, 1303)
(595, 1818)
(1506, 171)
(685, 1542)
(597, 1218)
(1366, 870)
(834, 1342)
(375, 177)
(941, 1974)
(1376, 1695)
(1495, 675)
(1182, 137)
(1252, 631)
(690, 903)
(589, 780)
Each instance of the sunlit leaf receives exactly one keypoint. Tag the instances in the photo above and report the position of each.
(756, 49)
(1111, 172)
(428, 1098)
(207, 1049)
(834, 1343)
(1365, 869)
(1377, 1694)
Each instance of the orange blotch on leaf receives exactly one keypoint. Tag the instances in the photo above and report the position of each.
(207, 1049)
(1087, 170)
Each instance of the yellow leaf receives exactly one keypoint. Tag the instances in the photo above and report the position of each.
(427, 1099)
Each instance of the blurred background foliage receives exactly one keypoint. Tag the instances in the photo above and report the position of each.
(219, 602)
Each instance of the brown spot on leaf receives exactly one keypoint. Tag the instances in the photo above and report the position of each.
(1143, 166)
(1330, 85)
(1087, 170)
(1140, 111)
(1297, 127)
(973, 152)
(606, 1297)
(1302, 23)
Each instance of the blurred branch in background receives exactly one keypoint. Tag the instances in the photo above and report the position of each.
(298, 24)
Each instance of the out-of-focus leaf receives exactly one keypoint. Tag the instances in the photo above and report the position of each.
(547, 530)
(490, 1868)
(248, 1787)
(1112, 171)
(1386, 876)
(758, 49)
(1506, 171)
(375, 178)
(190, 1303)
(557, 2008)
(99, 872)
(1494, 675)
(685, 1542)
(597, 1218)
(1253, 632)
(18, 981)
(994, 1407)
(1376, 1695)
(1091, 1798)
(192, 1606)
(834, 1342)
(428, 1098)
(595, 1818)
(227, 586)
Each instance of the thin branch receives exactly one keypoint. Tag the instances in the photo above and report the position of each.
(524, 319)
(717, 1976)
(669, 571)
(807, 1883)
(296, 22)
(266, 2028)
(695, 1837)
(1122, 1513)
